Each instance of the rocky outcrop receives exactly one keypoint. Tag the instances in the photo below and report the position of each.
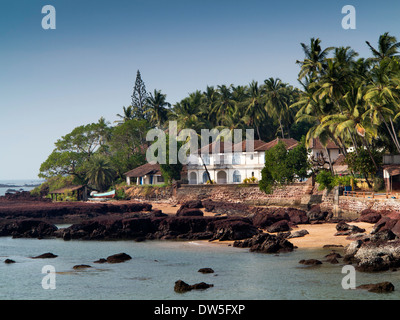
(28, 228)
(47, 255)
(118, 258)
(182, 287)
(266, 243)
(206, 270)
(346, 229)
(65, 212)
(171, 227)
(381, 287)
(310, 262)
(369, 216)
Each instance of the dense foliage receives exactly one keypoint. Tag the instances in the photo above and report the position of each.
(344, 98)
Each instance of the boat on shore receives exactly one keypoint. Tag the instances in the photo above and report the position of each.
(102, 196)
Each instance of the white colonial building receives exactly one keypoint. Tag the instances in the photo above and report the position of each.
(226, 166)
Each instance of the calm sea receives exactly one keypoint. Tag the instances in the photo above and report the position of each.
(156, 265)
(21, 183)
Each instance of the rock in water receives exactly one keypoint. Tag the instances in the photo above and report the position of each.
(119, 257)
(47, 255)
(310, 262)
(182, 287)
(381, 287)
(206, 270)
(81, 266)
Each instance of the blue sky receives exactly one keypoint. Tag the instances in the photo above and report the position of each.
(52, 81)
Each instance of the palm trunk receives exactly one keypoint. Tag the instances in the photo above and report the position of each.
(390, 132)
(394, 132)
(330, 160)
(370, 154)
(280, 124)
(205, 168)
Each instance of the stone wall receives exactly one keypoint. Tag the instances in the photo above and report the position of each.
(290, 195)
(350, 206)
(149, 192)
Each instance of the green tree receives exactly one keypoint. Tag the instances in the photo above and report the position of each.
(139, 97)
(157, 108)
(171, 171)
(99, 172)
(73, 150)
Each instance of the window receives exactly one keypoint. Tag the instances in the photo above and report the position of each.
(251, 157)
(236, 177)
(205, 177)
(206, 158)
(252, 174)
(236, 158)
(160, 179)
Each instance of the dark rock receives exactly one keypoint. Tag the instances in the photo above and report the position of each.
(158, 213)
(265, 243)
(9, 261)
(201, 286)
(81, 266)
(333, 257)
(189, 212)
(317, 214)
(118, 258)
(28, 228)
(298, 216)
(344, 229)
(310, 262)
(382, 287)
(279, 226)
(298, 233)
(47, 255)
(101, 260)
(234, 228)
(182, 287)
(383, 235)
(206, 270)
(369, 216)
(192, 204)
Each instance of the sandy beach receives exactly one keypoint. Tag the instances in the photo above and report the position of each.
(319, 234)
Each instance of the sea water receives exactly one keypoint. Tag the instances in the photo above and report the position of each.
(20, 183)
(156, 265)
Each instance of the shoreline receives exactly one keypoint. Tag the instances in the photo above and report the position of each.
(319, 234)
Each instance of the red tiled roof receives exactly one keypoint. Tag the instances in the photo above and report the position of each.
(290, 144)
(315, 143)
(141, 171)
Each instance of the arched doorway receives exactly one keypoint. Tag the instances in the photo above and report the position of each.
(193, 178)
(237, 178)
(221, 177)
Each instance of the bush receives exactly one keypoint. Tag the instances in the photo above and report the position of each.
(250, 180)
(325, 180)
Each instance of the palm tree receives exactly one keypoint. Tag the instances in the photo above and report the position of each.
(314, 61)
(255, 107)
(127, 115)
(387, 47)
(277, 100)
(100, 172)
(157, 107)
(225, 103)
(382, 95)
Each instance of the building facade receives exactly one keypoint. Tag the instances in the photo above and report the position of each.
(225, 166)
